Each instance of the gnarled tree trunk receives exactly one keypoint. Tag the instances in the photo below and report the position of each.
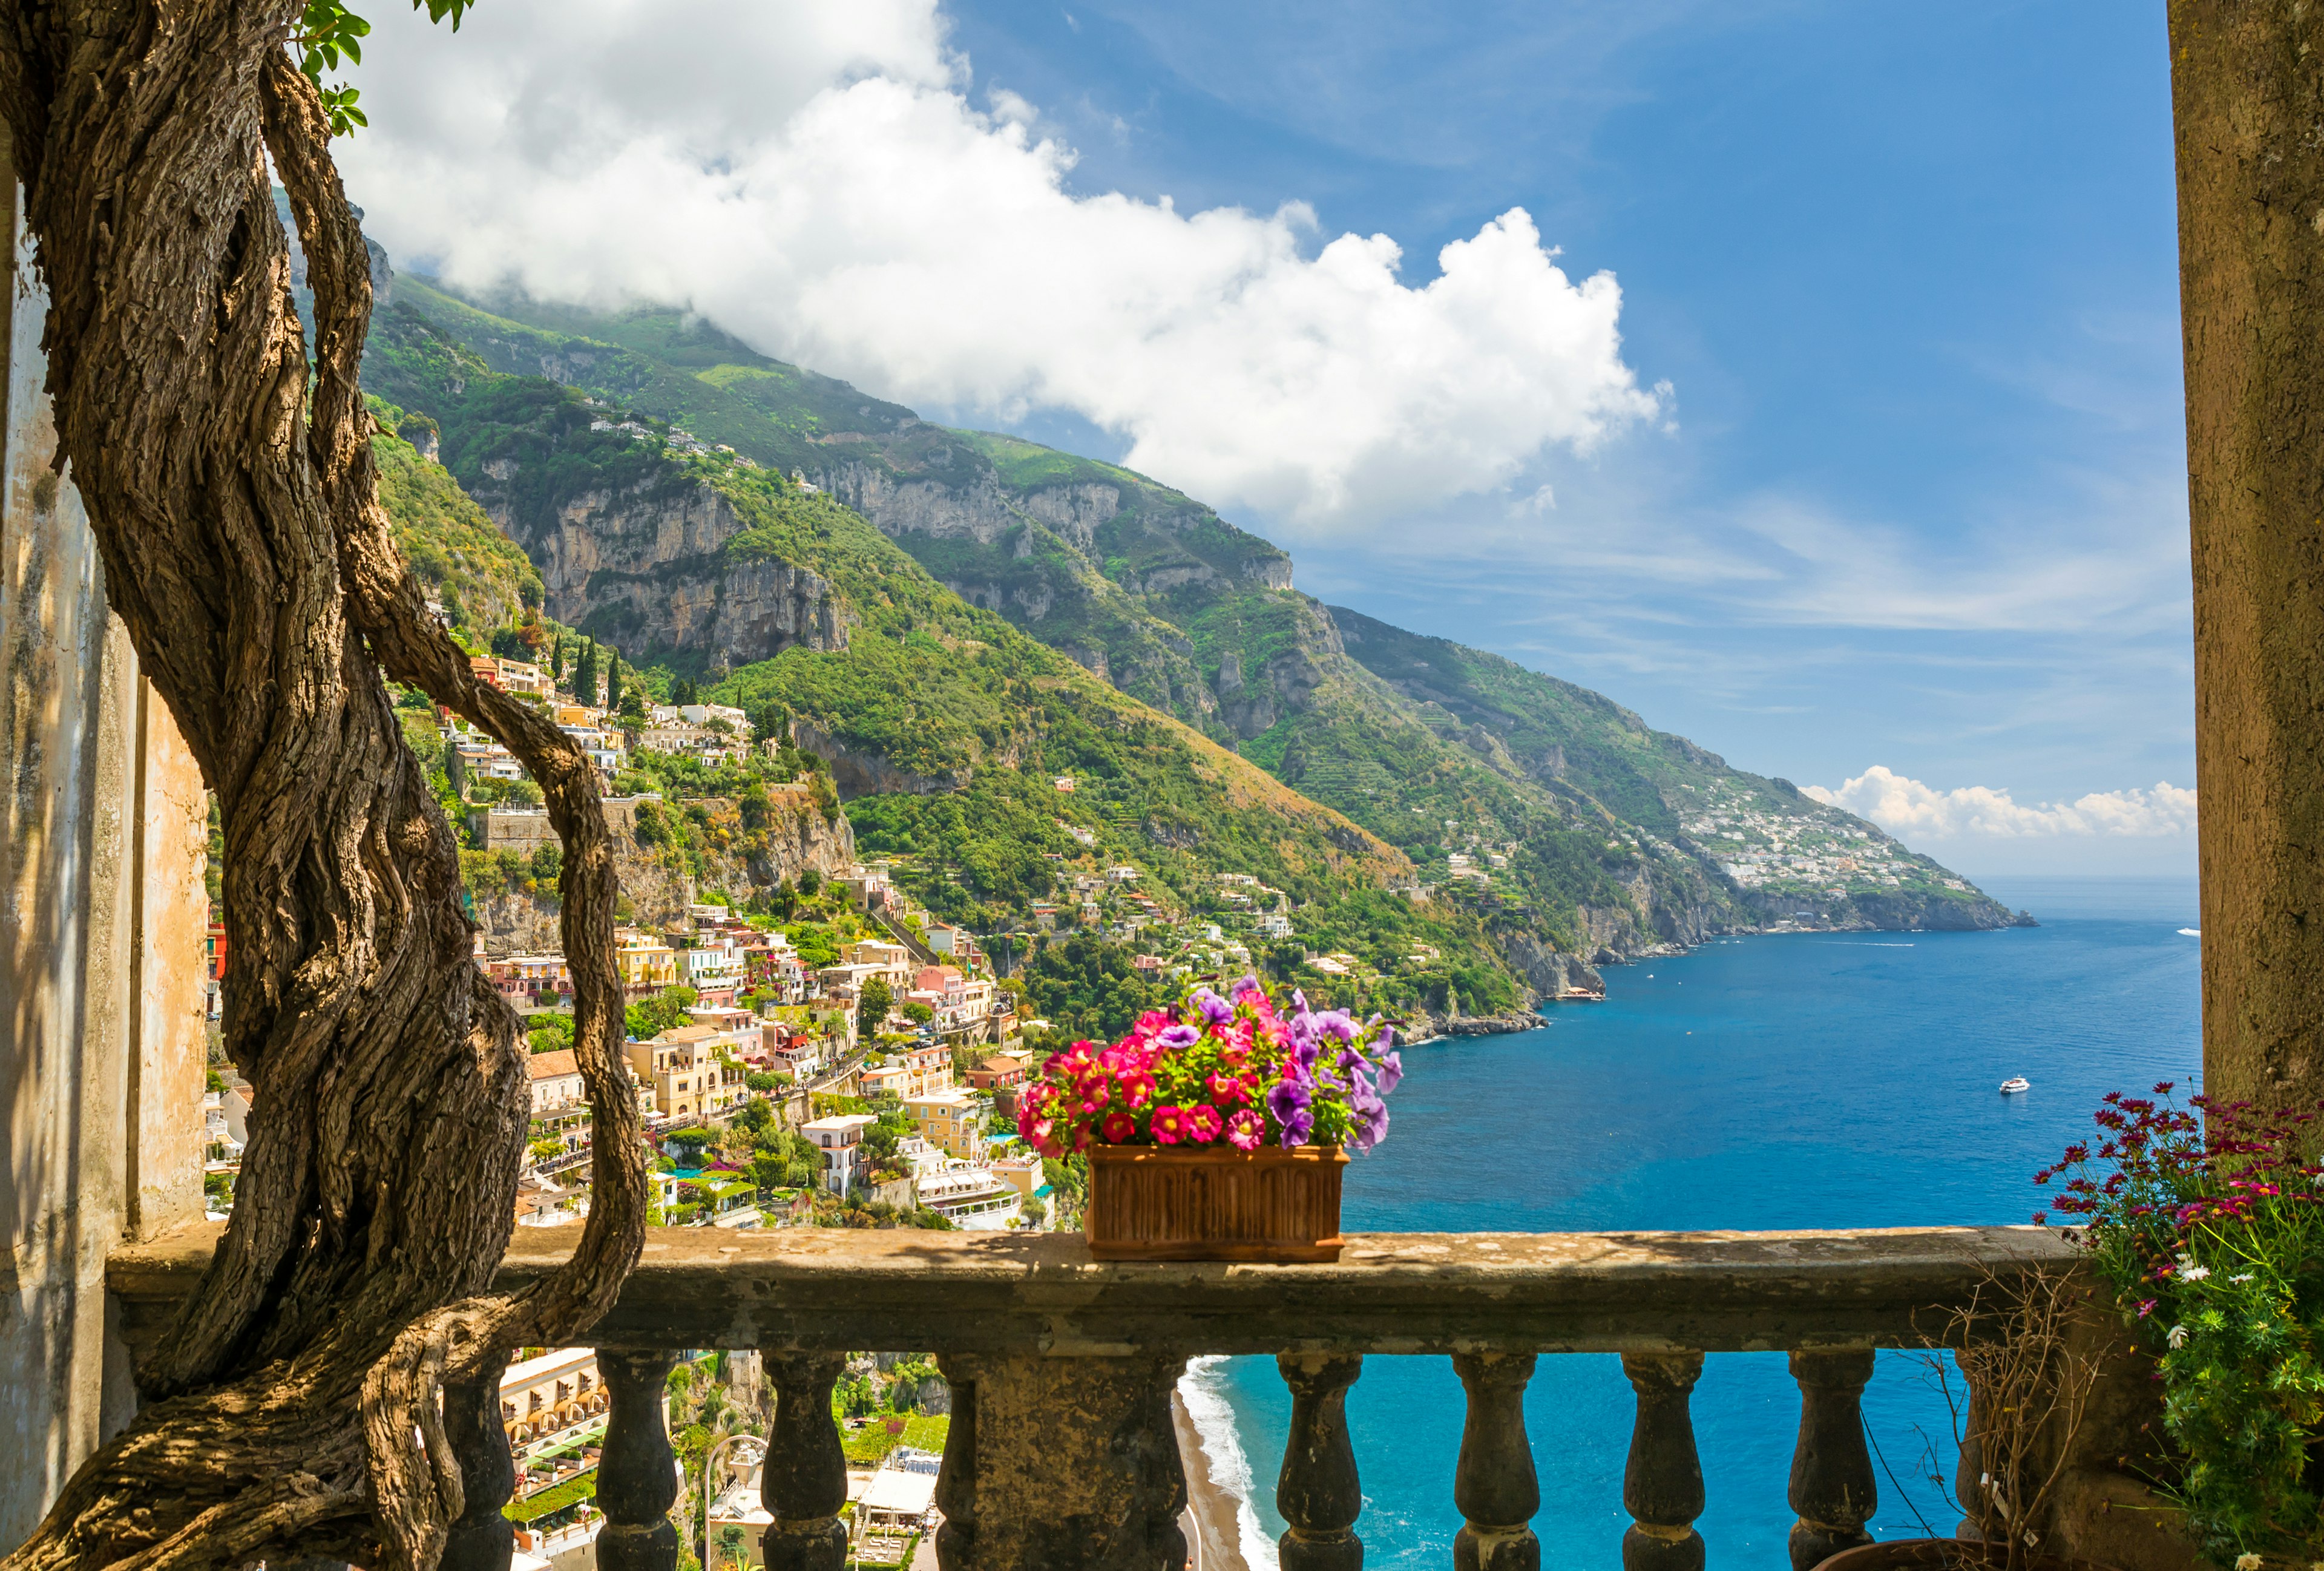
(235, 507)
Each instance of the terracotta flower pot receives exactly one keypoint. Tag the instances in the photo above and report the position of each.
(1215, 1203)
(1944, 1555)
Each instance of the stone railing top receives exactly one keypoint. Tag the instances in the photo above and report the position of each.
(1389, 1292)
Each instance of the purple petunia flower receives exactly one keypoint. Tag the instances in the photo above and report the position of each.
(1250, 983)
(1370, 1116)
(1299, 1063)
(1216, 1011)
(1179, 1036)
(1337, 1022)
(1288, 1102)
(1390, 1066)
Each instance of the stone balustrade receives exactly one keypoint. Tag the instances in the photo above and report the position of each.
(1061, 1451)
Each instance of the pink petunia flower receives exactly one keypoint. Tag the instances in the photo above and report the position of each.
(1203, 1123)
(1226, 1090)
(1170, 1125)
(1135, 1089)
(1246, 1129)
(1118, 1128)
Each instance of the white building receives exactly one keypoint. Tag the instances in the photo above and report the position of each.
(840, 1137)
(974, 1198)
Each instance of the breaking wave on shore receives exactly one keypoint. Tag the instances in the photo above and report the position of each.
(1201, 1389)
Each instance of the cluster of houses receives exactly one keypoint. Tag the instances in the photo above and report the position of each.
(712, 733)
(759, 1009)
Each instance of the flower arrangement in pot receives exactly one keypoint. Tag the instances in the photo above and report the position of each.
(1218, 1130)
(2207, 1223)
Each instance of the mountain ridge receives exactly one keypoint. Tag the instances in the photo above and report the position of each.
(1553, 808)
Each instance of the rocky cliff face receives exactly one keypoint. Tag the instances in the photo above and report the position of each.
(645, 563)
(858, 773)
(1545, 970)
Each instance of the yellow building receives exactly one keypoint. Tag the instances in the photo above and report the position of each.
(684, 1066)
(891, 1078)
(892, 962)
(647, 964)
(950, 1121)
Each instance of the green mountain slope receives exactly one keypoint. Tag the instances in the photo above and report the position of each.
(1546, 811)
(482, 577)
(947, 727)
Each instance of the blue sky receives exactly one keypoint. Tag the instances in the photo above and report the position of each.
(1911, 266)
(1885, 469)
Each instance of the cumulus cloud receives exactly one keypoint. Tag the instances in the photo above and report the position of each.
(1904, 807)
(822, 182)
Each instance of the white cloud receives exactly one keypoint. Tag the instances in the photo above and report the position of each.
(1904, 807)
(819, 180)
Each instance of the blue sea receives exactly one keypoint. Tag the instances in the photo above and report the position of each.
(1801, 1080)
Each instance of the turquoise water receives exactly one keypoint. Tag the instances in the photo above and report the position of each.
(1795, 1081)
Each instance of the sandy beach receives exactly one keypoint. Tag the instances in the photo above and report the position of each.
(1213, 1538)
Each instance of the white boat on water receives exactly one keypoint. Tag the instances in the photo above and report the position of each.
(2014, 1083)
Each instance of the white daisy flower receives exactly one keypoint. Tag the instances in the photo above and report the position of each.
(2194, 1273)
(2247, 1562)
(2178, 1336)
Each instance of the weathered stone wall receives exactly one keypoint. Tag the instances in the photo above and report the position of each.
(102, 1045)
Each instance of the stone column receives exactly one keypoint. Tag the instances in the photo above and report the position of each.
(102, 1046)
(1319, 1493)
(1833, 1487)
(1662, 1487)
(1494, 1485)
(803, 1482)
(2251, 279)
(1063, 1461)
(637, 1473)
(481, 1538)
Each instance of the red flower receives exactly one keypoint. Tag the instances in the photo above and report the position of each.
(1118, 1128)
(1170, 1124)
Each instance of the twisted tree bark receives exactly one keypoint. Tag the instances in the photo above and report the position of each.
(294, 1406)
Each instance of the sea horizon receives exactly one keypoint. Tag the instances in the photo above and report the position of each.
(1734, 1088)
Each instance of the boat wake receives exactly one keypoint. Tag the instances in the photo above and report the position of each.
(2190, 932)
(1203, 1390)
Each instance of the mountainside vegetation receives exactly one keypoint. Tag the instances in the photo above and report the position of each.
(983, 761)
(931, 577)
(1555, 807)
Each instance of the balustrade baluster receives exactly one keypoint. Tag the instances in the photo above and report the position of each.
(804, 1480)
(1494, 1485)
(479, 1539)
(1662, 1487)
(1833, 1487)
(637, 1473)
(1061, 1462)
(1318, 1492)
(957, 1478)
